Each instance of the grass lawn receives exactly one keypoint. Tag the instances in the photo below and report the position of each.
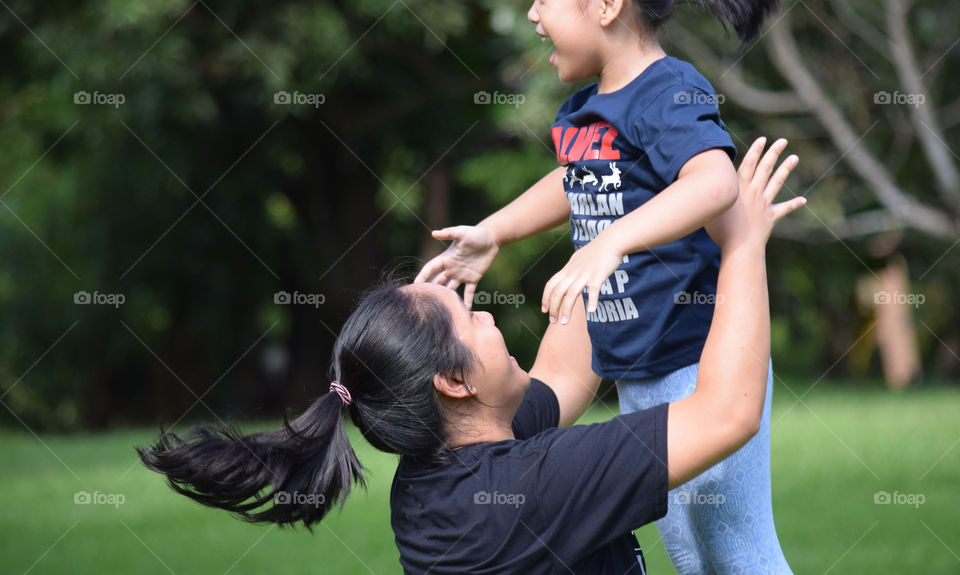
(832, 453)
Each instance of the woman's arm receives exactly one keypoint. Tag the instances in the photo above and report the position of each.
(542, 207)
(725, 410)
(564, 363)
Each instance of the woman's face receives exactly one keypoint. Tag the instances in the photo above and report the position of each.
(496, 375)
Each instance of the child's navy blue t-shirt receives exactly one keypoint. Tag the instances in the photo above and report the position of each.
(551, 501)
(621, 149)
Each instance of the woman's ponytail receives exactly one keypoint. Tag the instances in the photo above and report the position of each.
(746, 16)
(384, 363)
(294, 474)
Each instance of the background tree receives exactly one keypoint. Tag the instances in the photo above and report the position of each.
(203, 196)
(865, 94)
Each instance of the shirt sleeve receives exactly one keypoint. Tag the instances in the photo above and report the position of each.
(598, 482)
(539, 411)
(680, 123)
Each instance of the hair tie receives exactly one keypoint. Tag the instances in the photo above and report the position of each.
(342, 391)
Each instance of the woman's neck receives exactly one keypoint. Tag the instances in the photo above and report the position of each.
(473, 431)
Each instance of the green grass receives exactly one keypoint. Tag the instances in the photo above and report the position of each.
(831, 454)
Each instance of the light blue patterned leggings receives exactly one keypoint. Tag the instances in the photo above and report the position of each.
(721, 522)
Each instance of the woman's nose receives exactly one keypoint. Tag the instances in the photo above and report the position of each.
(487, 317)
(532, 14)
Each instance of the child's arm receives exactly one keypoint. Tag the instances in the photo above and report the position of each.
(474, 248)
(705, 187)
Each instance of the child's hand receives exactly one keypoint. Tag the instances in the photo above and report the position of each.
(588, 268)
(754, 214)
(464, 261)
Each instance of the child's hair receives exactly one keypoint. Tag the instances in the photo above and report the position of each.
(387, 355)
(745, 16)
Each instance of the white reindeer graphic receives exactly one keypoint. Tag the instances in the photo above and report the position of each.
(572, 174)
(612, 180)
(590, 178)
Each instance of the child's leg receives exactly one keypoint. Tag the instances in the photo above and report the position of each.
(721, 521)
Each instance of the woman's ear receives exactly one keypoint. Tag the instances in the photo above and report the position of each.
(452, 385)
(610, 10)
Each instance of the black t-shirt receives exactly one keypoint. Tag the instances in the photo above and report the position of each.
(551, 501)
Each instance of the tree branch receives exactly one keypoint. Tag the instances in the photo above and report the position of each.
(858, 24)
(731, 82)
(950, 114)
(922, 114)
(903, 138)
(857, 225)
(783, 51)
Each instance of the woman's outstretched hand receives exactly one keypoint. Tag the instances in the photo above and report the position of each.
(752, 217)
(464, 262)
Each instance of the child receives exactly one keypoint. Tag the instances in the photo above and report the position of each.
(645, 165)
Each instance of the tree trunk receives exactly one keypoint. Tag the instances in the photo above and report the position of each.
(896, 336)
(436, 209)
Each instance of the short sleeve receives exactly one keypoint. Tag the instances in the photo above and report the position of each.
(680, 123)
(598, 482)
(539, 411)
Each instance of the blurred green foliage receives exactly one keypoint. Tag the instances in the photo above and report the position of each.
(203, 195)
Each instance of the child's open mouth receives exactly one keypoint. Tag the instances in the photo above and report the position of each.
(553, 56)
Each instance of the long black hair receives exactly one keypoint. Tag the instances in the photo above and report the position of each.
(745, 16)
(386, 355)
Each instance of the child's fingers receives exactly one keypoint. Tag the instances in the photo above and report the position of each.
(548, 293)
(443, 234)
(454, 234)
(556, 299)
(769, 160)
(447, 281)
(468, 290)
(780, 177)
(553, 301)
(566, 304)
(784, 208)
(593, 298)
(429, 272)
(749, 164)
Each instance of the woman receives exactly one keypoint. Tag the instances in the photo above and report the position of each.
(491, 479)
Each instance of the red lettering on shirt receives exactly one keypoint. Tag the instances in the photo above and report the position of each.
(606, 146)
(584, 141)
(578, 143)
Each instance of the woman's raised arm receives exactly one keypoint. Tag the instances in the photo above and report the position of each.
(725, 410)
(564, 363)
